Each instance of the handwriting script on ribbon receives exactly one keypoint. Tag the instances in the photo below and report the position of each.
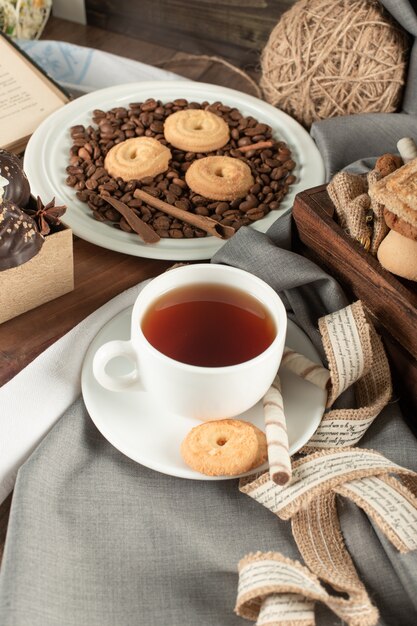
(356, 357)
(276, 590)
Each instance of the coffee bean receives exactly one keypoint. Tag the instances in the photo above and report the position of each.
(244, 141)
(91, 183)
(273, 206)
(188, 231)
(90, 179)
(152, 191)
(82, 195)
(170, 197)
(98, 173)
(184, 205)
(157, 127)
(90, 170)
(98, 216)
(231, 214)
(112, 215)
(175, 233)
(199, 200)
(277, 173)
(255, 214)
(78, 129)
(161, 222)
(221, 208)
(250, 202)
(135, 203)
(125, 226)
(179, 182)
(202, 210)
(175, 189)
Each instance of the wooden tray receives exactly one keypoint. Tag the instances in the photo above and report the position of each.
(392, 301)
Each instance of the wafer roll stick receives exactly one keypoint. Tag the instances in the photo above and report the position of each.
(303, 367)
(407, 148)
(276, 435)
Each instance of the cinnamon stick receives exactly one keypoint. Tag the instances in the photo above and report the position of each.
(260, 145)
(200, 221)
(140, 227)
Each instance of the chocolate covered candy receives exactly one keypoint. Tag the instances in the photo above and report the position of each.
(19, 237)
(18, 188)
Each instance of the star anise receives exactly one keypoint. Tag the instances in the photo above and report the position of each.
(47, 216)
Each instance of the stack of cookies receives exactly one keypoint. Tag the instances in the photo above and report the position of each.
(398, 193)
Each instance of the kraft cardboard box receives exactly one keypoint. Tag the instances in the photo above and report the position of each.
(46, 276)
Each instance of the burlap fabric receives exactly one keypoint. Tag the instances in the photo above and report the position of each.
(360, 215)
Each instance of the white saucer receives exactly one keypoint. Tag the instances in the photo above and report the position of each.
(135, 425)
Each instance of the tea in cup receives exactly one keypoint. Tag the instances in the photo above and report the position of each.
(206, 342)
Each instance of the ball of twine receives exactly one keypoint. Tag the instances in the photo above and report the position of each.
(334, 57)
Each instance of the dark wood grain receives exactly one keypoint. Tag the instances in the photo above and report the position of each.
(100, 39)
(235, 29)
(214, 71)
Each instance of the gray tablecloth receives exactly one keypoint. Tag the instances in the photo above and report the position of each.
(96, 539)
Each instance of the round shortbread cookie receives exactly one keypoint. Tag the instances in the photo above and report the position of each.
(221, 448)
(398, 255)
(219, 178)
(262, 454)
(196, 130)
(137, 158)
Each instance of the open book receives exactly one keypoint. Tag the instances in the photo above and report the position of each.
(27, 96)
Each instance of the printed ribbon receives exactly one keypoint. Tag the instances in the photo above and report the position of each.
(275, 590)
(356, 357)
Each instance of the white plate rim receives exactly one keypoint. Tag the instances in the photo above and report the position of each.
(46, 153)
(187, 473)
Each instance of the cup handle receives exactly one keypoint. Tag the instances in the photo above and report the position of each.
(109, 351)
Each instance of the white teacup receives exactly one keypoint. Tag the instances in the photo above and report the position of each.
(195, 391)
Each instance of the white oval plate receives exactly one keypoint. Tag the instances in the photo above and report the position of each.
(46, 159)
(134, 424)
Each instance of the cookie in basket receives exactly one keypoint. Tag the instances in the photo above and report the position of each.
(398, 193)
